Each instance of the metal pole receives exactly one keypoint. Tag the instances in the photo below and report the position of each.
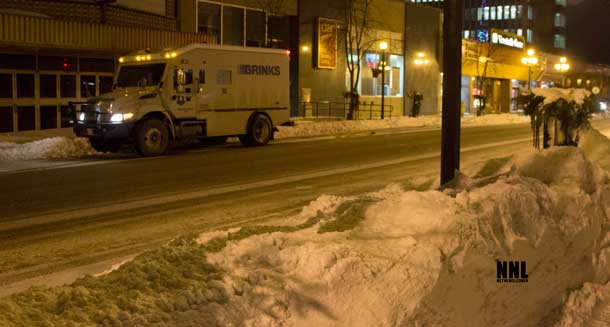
(382, 84)
(452, 74)
(529, 77)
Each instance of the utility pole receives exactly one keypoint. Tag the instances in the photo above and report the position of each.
(452, 73)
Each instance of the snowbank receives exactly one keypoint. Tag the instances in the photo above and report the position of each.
(305, 128)
(48, 148)
(389, 258)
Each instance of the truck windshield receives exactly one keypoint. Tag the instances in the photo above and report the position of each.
(140, 75)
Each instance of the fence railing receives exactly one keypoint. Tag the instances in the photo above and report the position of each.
(340, 110)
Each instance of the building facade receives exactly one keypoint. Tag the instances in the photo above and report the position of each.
(541, 22)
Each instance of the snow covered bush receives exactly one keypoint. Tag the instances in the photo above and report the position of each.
(562, 112)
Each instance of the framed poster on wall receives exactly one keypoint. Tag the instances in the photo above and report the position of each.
(327, 44)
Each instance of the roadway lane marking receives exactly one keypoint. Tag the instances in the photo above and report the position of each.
(134, 204)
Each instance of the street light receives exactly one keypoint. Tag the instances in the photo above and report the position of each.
(530, 60)
(562, 67)
(383, 46)
(421, 59)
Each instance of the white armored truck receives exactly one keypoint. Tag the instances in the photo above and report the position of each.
(197, 91)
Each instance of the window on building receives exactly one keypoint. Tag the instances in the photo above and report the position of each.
(66, 117)
(513, 12)
(232, 25)
(20, 62)
(519, 11)
(96, 65)
(68, 64)
(209, 19)
(507, 12)
(48, 117)
(530, 12)
(561, 2)
(87, 86)
(560, 20)
(492, 14)
(486, 13)
(371, 85)
(529, 36)
(67, 85)
(520, 32)
(466, 34)
(48, 86)
(26, 118)
(255, 28)
(6, 85)
(479, 14)
(25, 85)
(559, 41)
(499, 12)
(6, 119)
(106, 84)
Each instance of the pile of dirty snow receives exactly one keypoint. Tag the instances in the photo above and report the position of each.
(390, 258)
(48, 148)
(305, 128)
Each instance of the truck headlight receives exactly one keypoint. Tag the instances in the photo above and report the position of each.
(119, 118)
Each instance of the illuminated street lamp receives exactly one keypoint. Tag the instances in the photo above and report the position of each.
(531, 60)
(562, 67)
(421, 59)
(383, 46)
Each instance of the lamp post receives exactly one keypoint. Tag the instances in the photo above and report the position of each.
(530, 60)
(562, 67)
(383, 46)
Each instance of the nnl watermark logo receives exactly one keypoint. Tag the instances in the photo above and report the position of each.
(511, 272)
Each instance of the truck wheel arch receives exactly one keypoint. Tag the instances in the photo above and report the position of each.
(164, 117)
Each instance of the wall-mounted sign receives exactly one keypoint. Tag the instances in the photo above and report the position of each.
(507, 39)
(327, 44)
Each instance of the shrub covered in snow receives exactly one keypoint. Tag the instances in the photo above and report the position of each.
(562, 112)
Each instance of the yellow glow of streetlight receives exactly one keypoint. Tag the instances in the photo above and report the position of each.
(531, 52)
(420, 55)
(305, 48)
(563, 60)
(383, 45)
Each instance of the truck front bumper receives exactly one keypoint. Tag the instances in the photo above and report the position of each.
(117, 132)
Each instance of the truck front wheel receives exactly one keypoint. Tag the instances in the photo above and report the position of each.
(151, 137)
(260, 132)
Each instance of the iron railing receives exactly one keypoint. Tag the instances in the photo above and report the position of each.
(340, 110)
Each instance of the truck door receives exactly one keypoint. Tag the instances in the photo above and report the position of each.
(183, 99)
(203, 94)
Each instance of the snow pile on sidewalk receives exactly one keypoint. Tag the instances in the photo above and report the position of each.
(389, 258)
(305, 128)
(48, 148)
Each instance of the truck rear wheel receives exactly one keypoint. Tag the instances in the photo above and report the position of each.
(260, 132)
(151, 137)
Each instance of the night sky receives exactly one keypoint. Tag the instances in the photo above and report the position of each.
(589, 30)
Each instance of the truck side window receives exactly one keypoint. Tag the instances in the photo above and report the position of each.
(202, 76)
(188, 76)
(224, 77)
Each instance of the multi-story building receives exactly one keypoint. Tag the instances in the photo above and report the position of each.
(541, 22)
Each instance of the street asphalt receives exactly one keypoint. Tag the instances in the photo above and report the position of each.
(58, 224)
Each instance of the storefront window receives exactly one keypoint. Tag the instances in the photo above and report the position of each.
(87, 86)
(6, 85)
(209, 19)
(255, 28)
(6, 119)
(26, 117)
(48, 86)
(68, 86)
(371, 85)
(25, 85)
(232, 26)
(66, 117)
(48, 117)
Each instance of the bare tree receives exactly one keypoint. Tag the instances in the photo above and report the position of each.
(485, 54)
(357, 42)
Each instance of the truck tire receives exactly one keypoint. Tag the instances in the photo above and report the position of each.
(151, 137)
(259, 132)
(104, 146)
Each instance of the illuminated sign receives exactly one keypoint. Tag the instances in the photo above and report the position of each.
(327, 43)
(507, 39)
